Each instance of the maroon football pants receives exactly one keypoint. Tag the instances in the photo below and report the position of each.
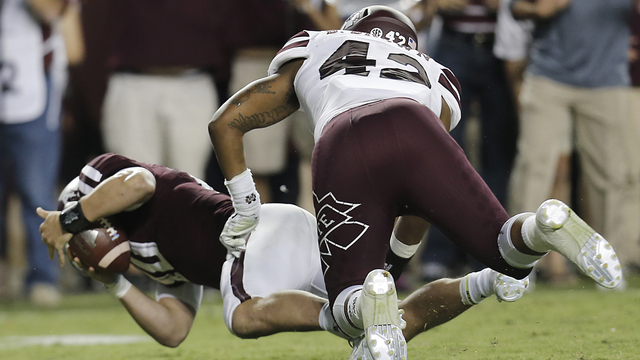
(390, 158)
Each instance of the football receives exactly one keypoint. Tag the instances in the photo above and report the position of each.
(103, 246)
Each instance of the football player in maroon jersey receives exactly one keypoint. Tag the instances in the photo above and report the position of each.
(381, 112)
(173, 222)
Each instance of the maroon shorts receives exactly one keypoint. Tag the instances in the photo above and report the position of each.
(390, 158)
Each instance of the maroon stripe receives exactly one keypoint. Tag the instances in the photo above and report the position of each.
(452, 79)
(294, 45)
(48, 57)
(447, 84)
(87, 180)
(302, 34)
(472, 19)
(237, 272)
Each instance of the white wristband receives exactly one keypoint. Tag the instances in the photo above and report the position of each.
(120, 287)
(245, 197)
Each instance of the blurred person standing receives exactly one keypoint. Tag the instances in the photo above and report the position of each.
(33, 76)
(513, 43)
(323, 13)
(274, 153)
(345, 8)
(466, 46)
(575, 95)
(165, 55)
(634, 57)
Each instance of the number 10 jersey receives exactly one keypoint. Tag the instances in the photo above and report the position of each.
(346, 69)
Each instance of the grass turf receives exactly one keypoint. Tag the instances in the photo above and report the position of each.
(577, 323)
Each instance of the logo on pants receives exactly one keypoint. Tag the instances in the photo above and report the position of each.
(335, 226)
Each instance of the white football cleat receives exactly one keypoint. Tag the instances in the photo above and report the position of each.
(566, 233)
(360, 351)
(509, 289)
(383, 338)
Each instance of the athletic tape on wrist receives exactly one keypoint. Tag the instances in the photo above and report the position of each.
(245, 197)
(401, 249)
(120, 287)
(72, 219)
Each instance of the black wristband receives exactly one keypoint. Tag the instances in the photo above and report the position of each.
(72, 219)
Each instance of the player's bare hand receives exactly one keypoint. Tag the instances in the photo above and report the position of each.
(102, 275)
(303, 5)
(236, 231)
(52, 234)
(493, 5)
(549, 8)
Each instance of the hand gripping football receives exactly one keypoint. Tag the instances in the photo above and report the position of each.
(102, 247)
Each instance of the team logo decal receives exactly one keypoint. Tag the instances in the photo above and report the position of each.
(334, 221)
(250, 198)
(377, 32)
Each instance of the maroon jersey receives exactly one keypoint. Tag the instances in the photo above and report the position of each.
(475, 18)
(165, 33)
(175, 235)
(635, 45)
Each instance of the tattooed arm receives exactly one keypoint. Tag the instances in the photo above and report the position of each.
(260, 104)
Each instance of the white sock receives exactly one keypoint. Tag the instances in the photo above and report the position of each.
(509, 252)
(531, 237)
(477, 286)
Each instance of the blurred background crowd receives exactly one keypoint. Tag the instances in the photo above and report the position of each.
(550, 103)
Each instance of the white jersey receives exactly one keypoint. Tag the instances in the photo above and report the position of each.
(22, 51)
(513, 37)
(23, 71)
(345, 69)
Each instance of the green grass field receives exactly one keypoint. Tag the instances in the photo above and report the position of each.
(569, 323)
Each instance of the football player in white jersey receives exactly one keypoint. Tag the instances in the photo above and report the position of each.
(173, 221)
(381, 112)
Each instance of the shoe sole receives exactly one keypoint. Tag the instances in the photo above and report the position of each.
(509, 289)
(591, 252)
(383, 335)
(385, 342)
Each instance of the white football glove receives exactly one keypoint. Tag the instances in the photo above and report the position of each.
(246, 202)
(236, 231)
